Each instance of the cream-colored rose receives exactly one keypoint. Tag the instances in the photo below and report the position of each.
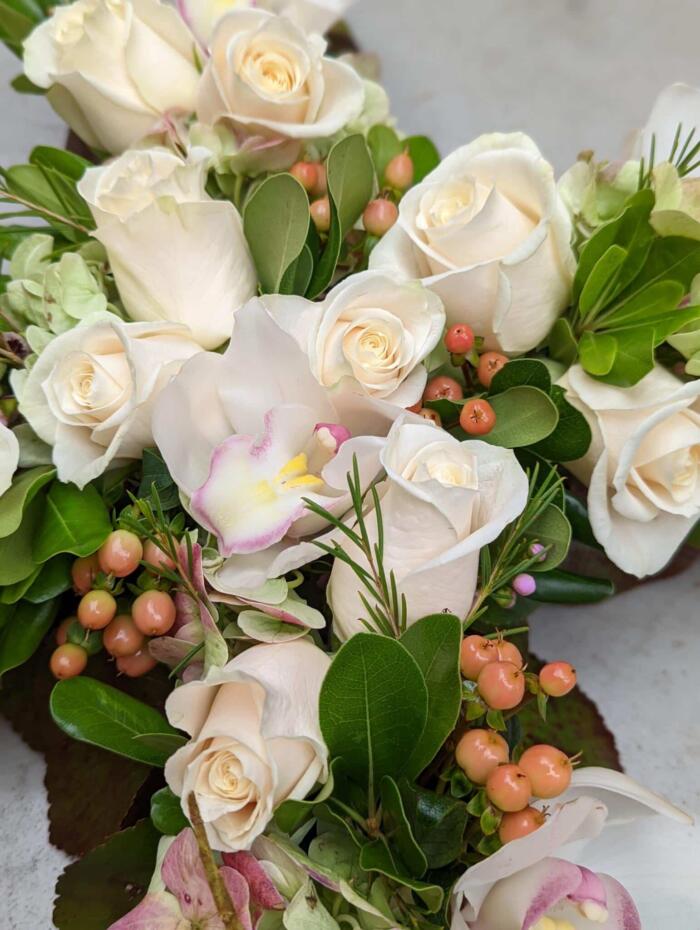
(90, 393)
(114, 68)
(270, 79)
(442, 501)
(9, 457)
(311, 15)
(643, 466)
(255, 739)
(372, 332)
(487, 231)
(176, 253)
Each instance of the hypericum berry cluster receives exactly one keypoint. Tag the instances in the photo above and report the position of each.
(105, 618)
(477, 416)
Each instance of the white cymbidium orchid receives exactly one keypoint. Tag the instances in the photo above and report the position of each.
(262, 435)
(527, 886)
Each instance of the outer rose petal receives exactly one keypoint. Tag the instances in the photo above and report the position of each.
(9, 457)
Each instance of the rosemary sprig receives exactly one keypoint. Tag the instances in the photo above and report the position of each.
(386, 608)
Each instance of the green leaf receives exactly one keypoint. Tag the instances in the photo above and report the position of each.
(551, 529)
(291, 814)
(74, 521)
(373, 703)
(66, 163)
(276, 220)
(23, 632)
(597, 352)
(384, 145)
(25, 486)
(23, 85)
(297, 277)
(560, 587)
(572, 436)
(424, 155)
(350, 175)
(54, 579)
(601, 281)
(438, 823)
(95, 713)
(434, 643)
(524, 415)
(634, 357)
(397, 826)
(671, 259)
(376, 857)
(166, 813)
(306, 911)
(155, 472)
(521, 371)
(562, 344)
(15, 22)
(577, 515)
(98, 889)
(657, 299)
(16, 558)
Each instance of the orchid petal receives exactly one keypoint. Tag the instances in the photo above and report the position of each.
(624, 797)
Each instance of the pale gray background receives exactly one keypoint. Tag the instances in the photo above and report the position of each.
(574, 74)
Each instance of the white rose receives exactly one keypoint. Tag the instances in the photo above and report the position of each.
(643, 465)
(176, 253)
(9, 457)
(372, 331)
(442, 501)
(115, 68)
(270, 79)
(256, 740)
(91, 391)
(487, 231)
(311, 15)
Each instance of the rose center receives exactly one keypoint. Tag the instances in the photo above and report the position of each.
(273, 70)
(227, 779)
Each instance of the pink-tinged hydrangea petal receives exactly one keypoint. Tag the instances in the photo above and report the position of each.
(183, 874)
(263, 894)
(590, 889)
(237, 887)
(622, 911)
(156, 912)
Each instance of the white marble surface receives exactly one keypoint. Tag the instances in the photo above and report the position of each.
(575, 74)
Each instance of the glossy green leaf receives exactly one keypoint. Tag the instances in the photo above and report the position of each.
(434, 643)
(95, 713)
(438, 823)
(577, 515)
(553, 530)
(110, 880)
(276, 220)
(396, 825)
(601, 281)
(350, 176)
(572, 436)
(25, 486)
(424, 155)
(384, 145)
(560, 587)
(597, 352)
(377, 857)
(23, 632)
(634, 357)
(562, 344)
(524, 415)
(16, 550)
(518, 372)
(66, 163)
(166, 813)
(297, 277)
(155, 472)
(54, 579)
(373, 703)
(74, 521)
(660, 298)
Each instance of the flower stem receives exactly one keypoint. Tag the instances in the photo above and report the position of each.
(222, 899)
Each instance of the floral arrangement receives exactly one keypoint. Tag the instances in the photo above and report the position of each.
(300, 422)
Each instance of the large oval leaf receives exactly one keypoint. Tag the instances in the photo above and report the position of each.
(98, 714)
(23, 632)
(16, 498)
(74, 521)
(373, 703)
(524, 415)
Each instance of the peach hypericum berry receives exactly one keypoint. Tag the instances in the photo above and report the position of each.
(477, 417)
(306, 173)
(476, 652)
(442, 387)
(517, 824)
(557, 678)
(120, 553)
(96, 610)
(548, 768)
(320, 188)
(321, 214)
(61, 634)
(479, 752)
(399, 172)
(155, 556)
(379, 216)
(509, 652)
(68, 660)
(153, 612)
(501, 685)
(83, 572)
(134, 666)
(489, 364)
(122, 637)
(459, 339)
(508, 788)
